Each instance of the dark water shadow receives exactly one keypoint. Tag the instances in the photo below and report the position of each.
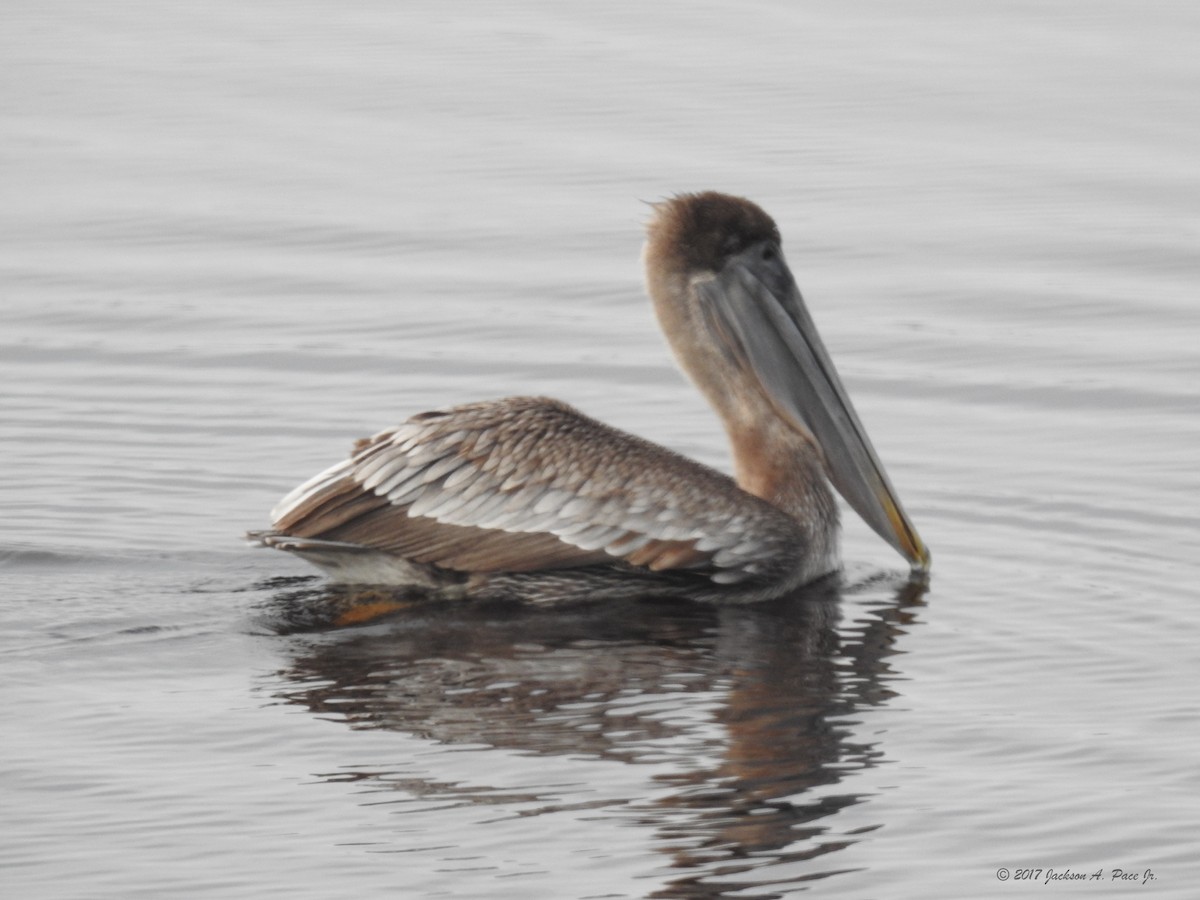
(780, 681)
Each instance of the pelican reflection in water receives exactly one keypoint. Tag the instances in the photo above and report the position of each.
(526, 498)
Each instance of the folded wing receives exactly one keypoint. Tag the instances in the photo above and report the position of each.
(529, 484)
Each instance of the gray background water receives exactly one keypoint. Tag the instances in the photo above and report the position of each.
(236, 236)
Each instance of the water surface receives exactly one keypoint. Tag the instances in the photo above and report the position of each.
(237, 238)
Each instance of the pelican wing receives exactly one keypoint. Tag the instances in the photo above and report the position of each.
(528, 484)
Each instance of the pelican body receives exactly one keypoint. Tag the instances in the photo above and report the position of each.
(526, 498)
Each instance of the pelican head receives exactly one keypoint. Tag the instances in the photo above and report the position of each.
(738, 326)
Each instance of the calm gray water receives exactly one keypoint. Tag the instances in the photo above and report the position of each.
(235, 237)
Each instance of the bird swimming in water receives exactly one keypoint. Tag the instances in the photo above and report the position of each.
(526, 498)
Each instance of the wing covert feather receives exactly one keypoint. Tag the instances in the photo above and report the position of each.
(528, 483)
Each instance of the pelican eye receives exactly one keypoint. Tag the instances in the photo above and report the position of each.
(769, 253)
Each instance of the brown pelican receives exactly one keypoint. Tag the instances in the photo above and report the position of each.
(527, 498)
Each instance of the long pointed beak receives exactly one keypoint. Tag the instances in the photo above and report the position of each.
(754, 307)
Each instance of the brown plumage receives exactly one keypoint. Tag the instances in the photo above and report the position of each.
(528, 498)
